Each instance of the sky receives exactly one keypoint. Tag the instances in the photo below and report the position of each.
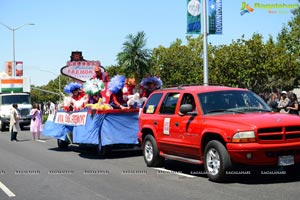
(98, 29)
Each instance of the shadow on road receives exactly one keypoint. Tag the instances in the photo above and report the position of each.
(23, 140)
(60, 149)
(91, 152)
(243, 175)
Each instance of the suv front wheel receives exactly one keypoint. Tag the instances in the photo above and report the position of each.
(151, 152)
(216, 161)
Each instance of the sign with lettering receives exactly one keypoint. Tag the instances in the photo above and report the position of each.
(73, 119)
(80, 70)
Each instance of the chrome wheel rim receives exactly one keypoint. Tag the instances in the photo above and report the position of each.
(148, 151)
(213, 162)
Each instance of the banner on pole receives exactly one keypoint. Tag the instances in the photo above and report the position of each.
(193, 16)
(19, 68)
(8, 68)
(215, 16)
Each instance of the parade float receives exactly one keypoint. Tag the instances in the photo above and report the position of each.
(86, 117)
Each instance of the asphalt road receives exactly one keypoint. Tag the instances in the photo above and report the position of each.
(33, 170)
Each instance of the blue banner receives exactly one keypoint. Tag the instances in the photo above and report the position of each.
(120, 129)
(103, 129)
(193, 16)
(215, 16)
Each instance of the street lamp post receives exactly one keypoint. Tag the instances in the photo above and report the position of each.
(59, 81)
(13, 41)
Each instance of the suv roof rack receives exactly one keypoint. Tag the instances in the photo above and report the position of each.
(181, 86)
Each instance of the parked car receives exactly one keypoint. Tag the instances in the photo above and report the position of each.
(216, 126)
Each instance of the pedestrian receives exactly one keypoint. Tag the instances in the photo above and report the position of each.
(293, 105)
(273, 102)
(14, 126)
(36, 121)
(284, 101)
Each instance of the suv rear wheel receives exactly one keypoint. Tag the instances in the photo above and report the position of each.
(216, 161)
(151, 152)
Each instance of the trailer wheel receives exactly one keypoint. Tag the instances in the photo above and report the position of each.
(62, 144)
(103, 151)
(2, 126)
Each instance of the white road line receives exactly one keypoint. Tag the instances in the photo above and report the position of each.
(166, 171)
(6, 190)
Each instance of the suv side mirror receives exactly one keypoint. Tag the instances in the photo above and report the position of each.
(185, 108)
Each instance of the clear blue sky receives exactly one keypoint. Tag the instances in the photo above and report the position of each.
(98, 28)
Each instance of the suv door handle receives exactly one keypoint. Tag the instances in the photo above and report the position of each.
(176, 123)
(155, 122)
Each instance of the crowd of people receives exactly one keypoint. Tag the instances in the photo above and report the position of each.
(285, 102)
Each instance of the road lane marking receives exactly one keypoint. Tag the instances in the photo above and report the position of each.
(43, 141)
(5, 189)
(166, 171)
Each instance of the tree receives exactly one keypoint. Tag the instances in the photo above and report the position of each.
(114, 70)
(289, 42)
(179, 64)
(135, 58)
(52, 86)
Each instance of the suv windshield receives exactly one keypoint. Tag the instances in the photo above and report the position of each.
(18, 99)
(232, 101)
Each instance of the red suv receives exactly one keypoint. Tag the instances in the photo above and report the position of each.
(216, 126)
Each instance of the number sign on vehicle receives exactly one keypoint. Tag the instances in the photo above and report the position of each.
(285, 160)
(167, 126)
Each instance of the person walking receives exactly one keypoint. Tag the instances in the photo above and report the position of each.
(14, 126)
(36, 121)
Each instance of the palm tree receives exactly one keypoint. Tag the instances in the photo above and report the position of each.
(135, 58)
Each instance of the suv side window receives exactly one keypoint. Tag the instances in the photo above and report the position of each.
(188, 98)
(152, 103)
(169, 104)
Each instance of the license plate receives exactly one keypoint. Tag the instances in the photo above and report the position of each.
(285, 160)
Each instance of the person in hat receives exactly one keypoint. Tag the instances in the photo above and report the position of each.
(115, 86)
(93, 88)
(78, 96)
(100, 73)
(150, 84)
(283, 103)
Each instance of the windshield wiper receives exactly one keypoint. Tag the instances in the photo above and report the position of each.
(225, 110)
(255, 109)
